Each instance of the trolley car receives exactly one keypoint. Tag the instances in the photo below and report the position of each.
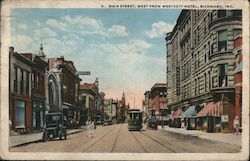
(134, 119)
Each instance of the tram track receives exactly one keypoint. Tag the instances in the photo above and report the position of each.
(150, 137)
(91, 145)
(153, 139)
(116, 139)
(139, 142)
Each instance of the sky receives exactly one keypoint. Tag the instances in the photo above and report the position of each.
(123, 48)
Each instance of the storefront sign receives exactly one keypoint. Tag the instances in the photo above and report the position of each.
(224, 118)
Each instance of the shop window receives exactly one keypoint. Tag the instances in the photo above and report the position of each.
(222, 13)
(223, 75)
(222, 40)
(41, 118)
(34, 119)
(20, 113)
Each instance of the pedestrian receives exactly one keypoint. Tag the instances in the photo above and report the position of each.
(162, 124)
(236, 124)
(92, 127)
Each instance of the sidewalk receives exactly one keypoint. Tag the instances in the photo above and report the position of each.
(228, 138)
(17, 140)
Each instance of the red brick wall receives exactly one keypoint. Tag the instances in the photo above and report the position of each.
(237, 42)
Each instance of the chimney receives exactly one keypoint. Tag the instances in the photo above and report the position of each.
(11, 49)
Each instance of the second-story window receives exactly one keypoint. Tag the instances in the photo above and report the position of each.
(22, 84)
(223, 75)
(222, 13)
(222, 40)
(15, 79)
(27, 83)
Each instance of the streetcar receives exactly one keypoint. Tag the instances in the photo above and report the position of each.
(134, 119)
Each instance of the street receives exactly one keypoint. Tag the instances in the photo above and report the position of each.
(117, 139)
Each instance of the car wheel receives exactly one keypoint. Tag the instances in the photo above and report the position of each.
(60, 134)
(65, 135)
(44, 138)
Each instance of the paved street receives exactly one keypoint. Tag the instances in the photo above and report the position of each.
(117, 138)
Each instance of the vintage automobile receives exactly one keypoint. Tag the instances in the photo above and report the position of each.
(153, 123)
(54, 127)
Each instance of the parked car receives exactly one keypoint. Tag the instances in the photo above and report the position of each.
(153, 123)
(54, 127)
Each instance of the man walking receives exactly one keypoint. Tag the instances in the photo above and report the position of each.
(236, 124)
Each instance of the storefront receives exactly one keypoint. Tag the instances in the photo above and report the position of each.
(176, 117)
(209, 118)
(188, 118)
(38, 111)
(21, 117)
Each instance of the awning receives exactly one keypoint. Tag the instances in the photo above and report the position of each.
(189, 112)
(177, 114)
(212, 109)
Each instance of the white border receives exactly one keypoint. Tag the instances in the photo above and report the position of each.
(5, 35)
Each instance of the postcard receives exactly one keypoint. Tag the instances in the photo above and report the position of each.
(124, 80)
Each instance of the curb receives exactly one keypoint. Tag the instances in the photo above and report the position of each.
(200, 137)
(38, 140)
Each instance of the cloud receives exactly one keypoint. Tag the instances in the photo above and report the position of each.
(86, 21)
(118, 30)
(57, 25)
(45, 32)
(159, 29)
(22, 26)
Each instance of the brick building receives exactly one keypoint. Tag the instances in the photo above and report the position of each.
(158, 97)
(20, 105)
(238, 77)
(200, 61)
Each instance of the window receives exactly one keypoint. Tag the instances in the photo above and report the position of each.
(223, 75)
(84, 100)
(222, 40)
(237, 13)
(205, 82)
(21, 84)
(27, 83)
(222, 13)
(15, 79)
(205, 56)
(237, 32)
(209, 80)
(20, 113)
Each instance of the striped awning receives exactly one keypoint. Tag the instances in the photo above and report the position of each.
(212, 109)
(177, 114)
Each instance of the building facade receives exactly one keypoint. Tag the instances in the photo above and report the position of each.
(63, 87)
(87, 94)
(158, 97)
(200, 61)
(20, 105)
(38, 87)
